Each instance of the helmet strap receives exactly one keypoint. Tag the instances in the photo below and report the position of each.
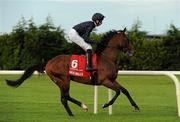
(97, 22)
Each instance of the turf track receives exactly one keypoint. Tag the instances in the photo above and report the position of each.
(37, 100)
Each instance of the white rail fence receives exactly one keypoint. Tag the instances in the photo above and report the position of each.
(13, 72)
(170, 74)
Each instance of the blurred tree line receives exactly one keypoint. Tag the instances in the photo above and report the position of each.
(29, 44)
(153, 54)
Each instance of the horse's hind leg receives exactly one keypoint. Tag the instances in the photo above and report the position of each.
(64, 84)
(65, 97)
(82, 105)
(64, 101)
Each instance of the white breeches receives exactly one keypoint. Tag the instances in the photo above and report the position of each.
(74, 37)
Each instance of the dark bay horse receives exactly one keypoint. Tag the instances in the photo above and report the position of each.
(107, 70)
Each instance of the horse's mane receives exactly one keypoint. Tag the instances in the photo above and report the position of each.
(104, 41)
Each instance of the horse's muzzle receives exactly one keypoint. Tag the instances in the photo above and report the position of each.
(130, 53)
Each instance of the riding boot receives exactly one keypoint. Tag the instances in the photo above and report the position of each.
(89, 66)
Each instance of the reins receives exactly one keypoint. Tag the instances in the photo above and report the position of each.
(116, 47)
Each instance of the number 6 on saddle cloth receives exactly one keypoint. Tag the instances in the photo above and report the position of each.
(78, 66)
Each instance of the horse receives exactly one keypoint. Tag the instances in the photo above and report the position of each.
(107, 51)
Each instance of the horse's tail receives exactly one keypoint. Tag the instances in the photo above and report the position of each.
(27, 73)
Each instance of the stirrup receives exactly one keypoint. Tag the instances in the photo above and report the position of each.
(93, 78)
(89, 68)
(89, 65)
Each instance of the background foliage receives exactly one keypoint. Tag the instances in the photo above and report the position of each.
(29, 44)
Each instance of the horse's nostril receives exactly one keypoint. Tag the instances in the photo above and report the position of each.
(130, 53)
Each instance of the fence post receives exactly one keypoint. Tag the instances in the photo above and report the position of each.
(95, 99)
(110, 97)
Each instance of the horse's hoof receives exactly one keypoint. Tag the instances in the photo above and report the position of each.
(105, 105)
(84, 107)
(71, 115)
(137, 110)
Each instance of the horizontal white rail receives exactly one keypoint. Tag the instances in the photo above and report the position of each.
(170, 74)
(14, 72)
(148, 72)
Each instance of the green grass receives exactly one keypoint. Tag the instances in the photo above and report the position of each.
(37, 100)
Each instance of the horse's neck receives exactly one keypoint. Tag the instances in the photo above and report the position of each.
(111, 53)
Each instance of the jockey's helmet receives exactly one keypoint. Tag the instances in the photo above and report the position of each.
(98, 16)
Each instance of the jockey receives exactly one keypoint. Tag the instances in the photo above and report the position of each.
(80, 33)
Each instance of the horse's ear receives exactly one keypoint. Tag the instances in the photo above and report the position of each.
(124, 30)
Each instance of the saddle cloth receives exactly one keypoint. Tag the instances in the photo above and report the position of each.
(77, 65)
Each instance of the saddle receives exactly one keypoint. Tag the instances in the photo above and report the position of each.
(77, 66)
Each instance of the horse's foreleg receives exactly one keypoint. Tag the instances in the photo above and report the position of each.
(125, 91)
(114, 87)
